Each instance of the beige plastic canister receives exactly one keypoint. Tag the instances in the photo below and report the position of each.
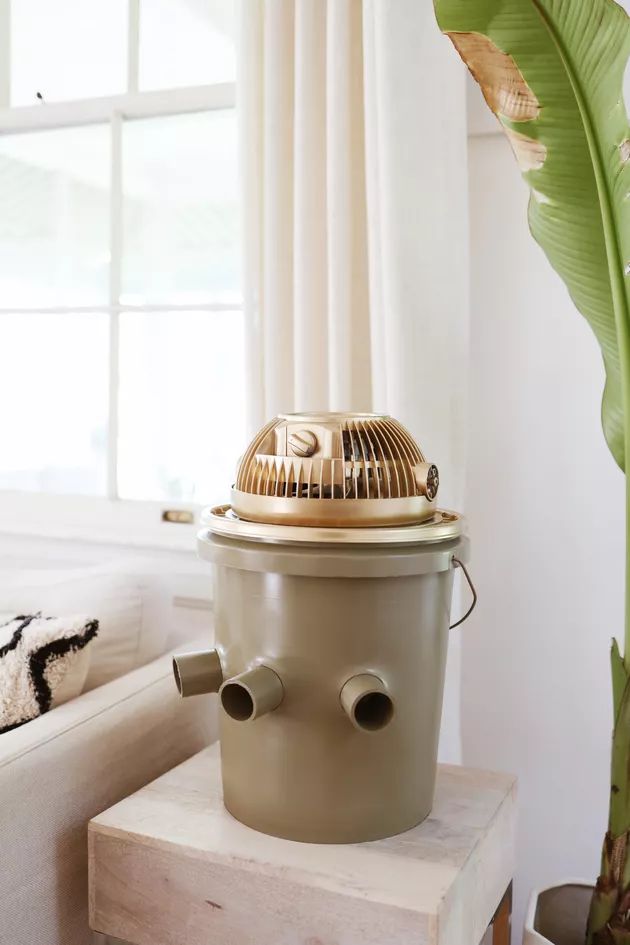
(333, 662)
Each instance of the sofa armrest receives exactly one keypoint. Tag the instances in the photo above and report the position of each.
(60, 770)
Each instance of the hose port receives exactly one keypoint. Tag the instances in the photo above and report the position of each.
(367, 703)
(373, 711)
(197, 673)
(251, 694)
(237, 702)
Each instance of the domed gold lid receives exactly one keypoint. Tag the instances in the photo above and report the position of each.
(340, 470)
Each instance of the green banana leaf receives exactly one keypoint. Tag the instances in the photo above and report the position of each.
(552, 72)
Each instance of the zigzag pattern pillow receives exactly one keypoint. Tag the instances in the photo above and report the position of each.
(43, 662)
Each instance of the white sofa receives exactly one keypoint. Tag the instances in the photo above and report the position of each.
(63, 768)
(127, 727)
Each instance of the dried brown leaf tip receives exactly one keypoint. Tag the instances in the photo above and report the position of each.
(529, 153)
(624, 150)
(501, 81)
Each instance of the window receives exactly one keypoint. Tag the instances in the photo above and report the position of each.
(121, 331)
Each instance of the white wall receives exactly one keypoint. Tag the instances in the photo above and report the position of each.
(546, 507)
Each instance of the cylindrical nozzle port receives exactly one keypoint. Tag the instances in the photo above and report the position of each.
(197, 673)
(251, 694)
(367, 703)
(427, 479)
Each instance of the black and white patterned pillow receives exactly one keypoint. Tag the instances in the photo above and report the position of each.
(43, 661)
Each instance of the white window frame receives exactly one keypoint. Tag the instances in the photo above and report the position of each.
(107, 518)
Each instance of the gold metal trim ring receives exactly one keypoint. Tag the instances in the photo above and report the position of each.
(332, 513)
(442, 526)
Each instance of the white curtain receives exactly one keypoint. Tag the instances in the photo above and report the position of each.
(353, 132)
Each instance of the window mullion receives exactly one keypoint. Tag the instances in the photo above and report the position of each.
(150, 308)
(91, 111)
(115, 277)
(133, 45)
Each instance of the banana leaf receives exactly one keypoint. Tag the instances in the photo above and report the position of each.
(552, 73)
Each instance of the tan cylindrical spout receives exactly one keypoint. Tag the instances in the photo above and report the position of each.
(198, 672)
(367, 703)
(251, 694)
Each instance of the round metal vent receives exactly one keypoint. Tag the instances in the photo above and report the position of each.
(337, 470)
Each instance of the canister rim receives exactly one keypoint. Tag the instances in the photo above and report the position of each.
(444, 525)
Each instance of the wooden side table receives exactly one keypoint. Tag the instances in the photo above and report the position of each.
(169, 866)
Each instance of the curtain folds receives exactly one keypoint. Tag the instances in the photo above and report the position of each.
(354, 172)
(353, 137)
(306, 267)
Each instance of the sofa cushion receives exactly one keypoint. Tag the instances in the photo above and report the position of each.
(133, 610)
(43, 662)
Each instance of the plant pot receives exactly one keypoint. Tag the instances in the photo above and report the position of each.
(557, 915)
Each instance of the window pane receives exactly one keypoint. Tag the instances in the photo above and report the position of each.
(186, 42)
(182, 413)
(180, 219)
(53, 385)
(54, 223)
(67, 49)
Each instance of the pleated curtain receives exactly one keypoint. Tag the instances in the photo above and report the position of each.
(353, 143)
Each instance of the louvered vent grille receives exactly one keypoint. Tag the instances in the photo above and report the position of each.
(377, 460)
(298, 461)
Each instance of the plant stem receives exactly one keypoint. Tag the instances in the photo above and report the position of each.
(609, 918)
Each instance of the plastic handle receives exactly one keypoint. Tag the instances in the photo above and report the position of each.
(459, 564)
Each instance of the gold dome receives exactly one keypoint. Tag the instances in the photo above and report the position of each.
(335, 469)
